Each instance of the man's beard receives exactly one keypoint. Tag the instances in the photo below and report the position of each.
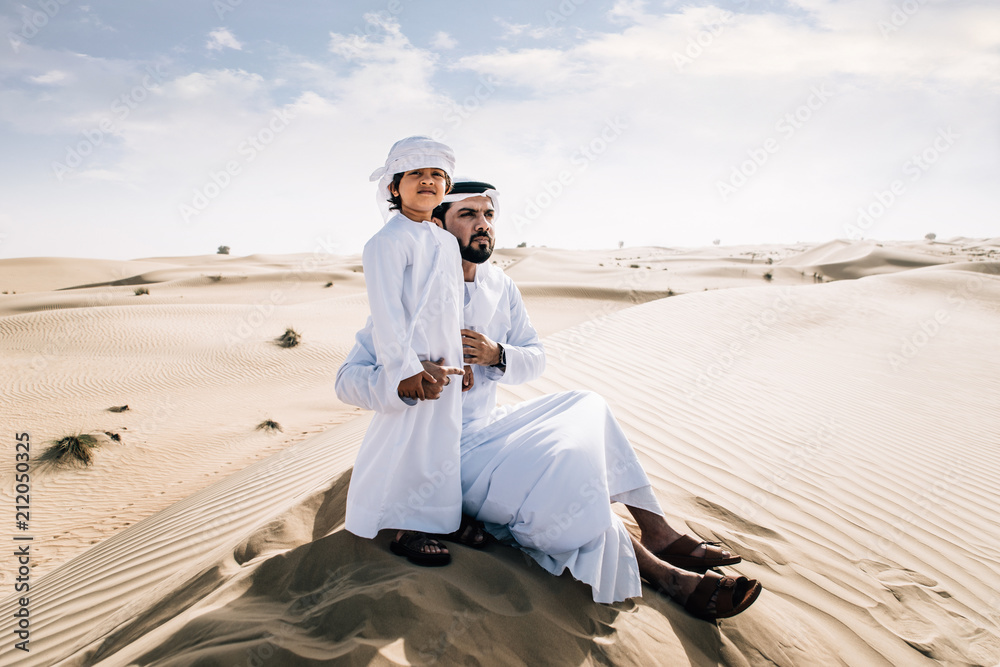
(476, 255)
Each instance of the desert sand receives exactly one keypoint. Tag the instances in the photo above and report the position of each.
(828, 410)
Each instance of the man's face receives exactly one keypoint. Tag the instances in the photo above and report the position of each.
(471, 221)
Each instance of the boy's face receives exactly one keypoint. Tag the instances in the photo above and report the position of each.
(421, 191)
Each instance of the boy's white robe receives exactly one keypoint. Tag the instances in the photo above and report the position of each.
(407, 471)
(540, 474)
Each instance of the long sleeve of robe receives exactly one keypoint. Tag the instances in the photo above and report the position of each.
(407, 471)
(496, 310)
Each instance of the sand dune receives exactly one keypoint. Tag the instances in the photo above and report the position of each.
(840, 435)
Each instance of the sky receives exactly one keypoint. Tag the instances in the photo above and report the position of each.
(154, 129)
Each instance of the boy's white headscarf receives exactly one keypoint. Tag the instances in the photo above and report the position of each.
(408, 154)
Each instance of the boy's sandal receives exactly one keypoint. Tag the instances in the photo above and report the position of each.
(678, 554)
(410, 545)
(732, 595)
(470, 533)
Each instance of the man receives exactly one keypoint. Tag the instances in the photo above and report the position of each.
(541, 474)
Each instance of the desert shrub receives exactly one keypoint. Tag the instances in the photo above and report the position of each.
(223, 250)
(139, 291)
(768, 276)
(290, 338)
(269, 425)
(78, 447)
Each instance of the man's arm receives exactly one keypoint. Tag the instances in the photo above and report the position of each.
(524, 353)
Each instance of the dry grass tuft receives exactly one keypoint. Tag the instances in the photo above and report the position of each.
(72, 448)
(290, 338)
(269, 425)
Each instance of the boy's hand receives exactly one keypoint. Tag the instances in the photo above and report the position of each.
(439, 378)
(468, 379)
(413, 387)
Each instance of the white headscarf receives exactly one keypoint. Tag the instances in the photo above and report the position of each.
(408, 154)
(464, 188)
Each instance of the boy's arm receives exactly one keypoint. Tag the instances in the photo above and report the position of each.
(384, 263)
(361, 381)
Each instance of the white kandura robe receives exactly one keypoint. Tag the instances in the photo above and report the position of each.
(540, 474)
(407, 471)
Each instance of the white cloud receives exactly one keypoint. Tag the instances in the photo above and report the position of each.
(628, 11)
(90, 18)
(221, 38)
(52, 76)
(514, 30)
(443, 40)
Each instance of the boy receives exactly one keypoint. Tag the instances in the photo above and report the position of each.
(407, 472)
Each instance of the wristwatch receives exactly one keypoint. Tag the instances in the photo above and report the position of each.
(502, 364)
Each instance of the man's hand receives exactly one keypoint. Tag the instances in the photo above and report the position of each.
(468, 379)
(439, 375)
(479, 349)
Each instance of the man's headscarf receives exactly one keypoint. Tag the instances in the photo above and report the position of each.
(464, 188)
(406, 155)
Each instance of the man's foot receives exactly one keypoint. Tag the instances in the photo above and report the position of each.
(420, 549)
(690, 554)
(710, 596)
(721, 597)
(470, 533)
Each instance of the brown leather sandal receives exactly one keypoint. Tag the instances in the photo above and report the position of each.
(470, 533)
(411, 543)
(731, 596)
(678, 554)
